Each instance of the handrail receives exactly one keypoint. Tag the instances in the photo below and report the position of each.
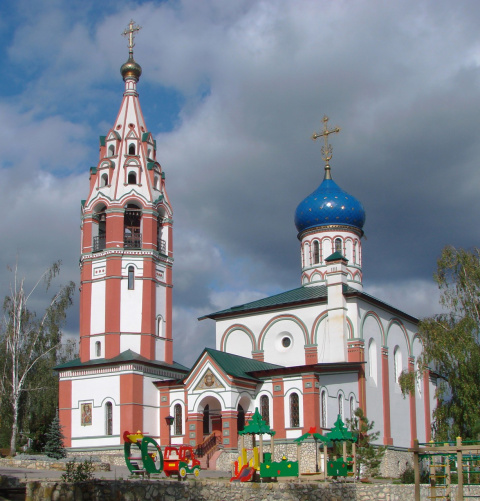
(208, 445)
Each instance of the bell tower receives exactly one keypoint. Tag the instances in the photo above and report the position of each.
(126, 242)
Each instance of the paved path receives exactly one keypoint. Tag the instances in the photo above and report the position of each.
(116, 472)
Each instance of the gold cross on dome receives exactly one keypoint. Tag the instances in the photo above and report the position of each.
(130, 33)
(326, 148)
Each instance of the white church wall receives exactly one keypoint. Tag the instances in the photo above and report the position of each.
(240, 343)
(95, 390)
(345, 384)
(398, 352)
(284, 343)
(97, 308)
(419, 395)
(372, 336)
(151, 406)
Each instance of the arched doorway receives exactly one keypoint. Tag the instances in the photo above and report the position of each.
(211, 409)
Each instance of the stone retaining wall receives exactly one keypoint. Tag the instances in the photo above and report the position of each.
(167, 490)
(46, 465)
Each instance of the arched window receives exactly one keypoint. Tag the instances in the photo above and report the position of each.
(149, 153)
(397, 363)
(355, 253)
(131, 224)
(160, 327)
(372, 360)
(338, 245)
(99, 230)
(294, 411)
(352, 407)
(104, 180)
(98, 349)
(131, 149)
(108, 418)
(316, 252)
(323, 409)
(206, 420)
(132, 178)
(240, 418)
(265, 409)
(340, 406)
(177, 412)
(131, 278)
(155, 182)
(111, 150)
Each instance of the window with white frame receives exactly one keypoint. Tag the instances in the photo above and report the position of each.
(108, 418)
(372, 360)
(177, 411)
(294, 411)
(340, 406)
(323, 409)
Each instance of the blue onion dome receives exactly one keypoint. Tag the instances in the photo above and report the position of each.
(329, 205)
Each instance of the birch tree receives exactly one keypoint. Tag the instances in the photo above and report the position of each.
(451, 345)
(28, 338)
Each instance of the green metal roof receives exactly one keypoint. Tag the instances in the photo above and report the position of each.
(237, 366)
(284, 298)
(126, 356)
(335, 256)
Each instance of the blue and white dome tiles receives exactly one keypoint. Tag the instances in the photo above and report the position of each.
(329, 205)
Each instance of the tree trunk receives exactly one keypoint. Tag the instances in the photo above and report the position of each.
(13, 441)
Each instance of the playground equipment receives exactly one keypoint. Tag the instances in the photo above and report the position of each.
(444, 460)
(146, 457)
(247, 468)
(332, 466)
(181, 461)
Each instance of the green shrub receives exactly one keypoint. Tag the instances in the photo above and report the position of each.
(78, 472)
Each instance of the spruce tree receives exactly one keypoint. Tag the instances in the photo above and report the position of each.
(54, 446)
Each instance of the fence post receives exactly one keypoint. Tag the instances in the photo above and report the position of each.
(459, 469)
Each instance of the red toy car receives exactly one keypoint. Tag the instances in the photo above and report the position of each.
(180, 461)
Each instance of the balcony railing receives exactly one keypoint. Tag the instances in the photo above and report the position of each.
(162, 246)
(98, 243)
(132, 241)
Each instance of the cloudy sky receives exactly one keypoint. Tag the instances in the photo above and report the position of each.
(233, 90)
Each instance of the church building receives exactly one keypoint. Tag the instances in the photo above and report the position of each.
(301, 357)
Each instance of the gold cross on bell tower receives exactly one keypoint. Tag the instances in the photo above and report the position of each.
(130, 33)
(326, 148)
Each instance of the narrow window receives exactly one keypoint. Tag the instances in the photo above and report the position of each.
(131, 149)
(131, 278)
(149, 153)
(338, 245)
(240, 418)
(98, 349)
(340, 406)
(323, 409)
(352, 407)
(108, 418)
(372, 360)
(294, 411)
(397, 363)
(316, 252)
(111, 150)
(104, 180)
(155, 182)
(178, 419)
(132, 178)
(265, 409)
(418, 380)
